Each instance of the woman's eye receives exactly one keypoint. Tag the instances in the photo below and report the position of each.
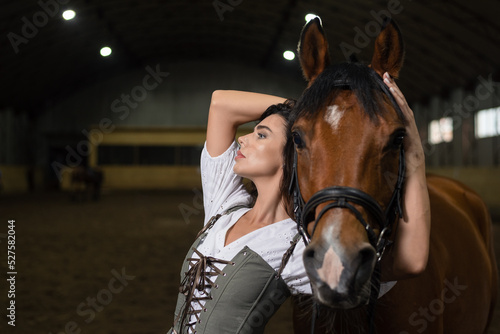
(297, 140)
(261, 135)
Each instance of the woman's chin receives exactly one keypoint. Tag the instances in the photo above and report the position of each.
(239, 171)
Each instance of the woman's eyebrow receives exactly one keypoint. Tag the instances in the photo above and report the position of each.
(260, 127)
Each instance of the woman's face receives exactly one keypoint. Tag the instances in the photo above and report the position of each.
(261, 152)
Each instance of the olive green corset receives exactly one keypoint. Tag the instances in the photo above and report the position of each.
(242, 299)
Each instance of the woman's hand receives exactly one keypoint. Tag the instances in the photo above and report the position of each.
(414, 152)
(230, 109)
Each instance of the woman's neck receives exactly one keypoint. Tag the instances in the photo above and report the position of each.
(268, 206)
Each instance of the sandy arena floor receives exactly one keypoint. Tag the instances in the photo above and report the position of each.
(69, 254)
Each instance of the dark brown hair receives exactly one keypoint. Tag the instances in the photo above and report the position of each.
(284, 110)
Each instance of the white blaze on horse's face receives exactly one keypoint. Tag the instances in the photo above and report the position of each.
(331, 269)
(333, 115)
(332, 266)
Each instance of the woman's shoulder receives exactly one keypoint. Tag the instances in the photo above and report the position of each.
(229, 153)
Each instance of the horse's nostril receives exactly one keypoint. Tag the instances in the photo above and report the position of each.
(366, 258)
(366, 255)
(309, 253)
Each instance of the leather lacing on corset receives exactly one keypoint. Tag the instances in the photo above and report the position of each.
(200, 276)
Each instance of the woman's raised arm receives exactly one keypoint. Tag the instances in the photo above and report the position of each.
(230, 109)
(411, 247)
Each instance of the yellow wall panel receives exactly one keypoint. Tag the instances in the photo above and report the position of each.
(15, 178)
(151, 177)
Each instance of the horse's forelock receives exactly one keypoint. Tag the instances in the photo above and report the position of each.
(357, 77)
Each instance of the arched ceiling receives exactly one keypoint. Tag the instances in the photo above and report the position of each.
(449, 43)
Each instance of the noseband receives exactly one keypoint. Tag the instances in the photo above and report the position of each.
(345, 197)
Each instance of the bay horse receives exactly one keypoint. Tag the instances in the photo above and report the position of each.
(349, 170)
(86, 182)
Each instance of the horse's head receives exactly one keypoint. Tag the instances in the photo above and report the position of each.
(348, 132)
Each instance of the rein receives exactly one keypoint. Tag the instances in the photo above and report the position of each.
(345, 197)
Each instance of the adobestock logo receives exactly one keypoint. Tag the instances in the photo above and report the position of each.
(122, 105)
(449, 294)
(222, 7)
(264, 310)
(30, 29)
(372, 29)
(103, 298)
(197, 207)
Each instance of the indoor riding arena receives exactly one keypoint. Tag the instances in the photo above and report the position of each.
(103, 118)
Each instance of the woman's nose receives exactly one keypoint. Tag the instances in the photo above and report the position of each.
(241, 140)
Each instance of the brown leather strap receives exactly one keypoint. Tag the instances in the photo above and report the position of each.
(288, 254)
(198, 277)
(209, 225)
(215, 218)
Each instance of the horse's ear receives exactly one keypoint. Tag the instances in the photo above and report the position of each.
(389, 50)
(313, 50)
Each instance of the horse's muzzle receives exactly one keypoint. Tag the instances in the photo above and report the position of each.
(340, 280)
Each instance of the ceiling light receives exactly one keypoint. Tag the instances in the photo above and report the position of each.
(68, 14)
(288, 55)
(105, 51)
(309, 17)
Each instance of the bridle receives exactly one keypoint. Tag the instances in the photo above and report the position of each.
(342, 197)
(347, 197)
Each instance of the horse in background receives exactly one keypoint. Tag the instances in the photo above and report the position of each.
(86, 183)
(347, 133)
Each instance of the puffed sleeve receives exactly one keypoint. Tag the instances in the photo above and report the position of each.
(222, 188)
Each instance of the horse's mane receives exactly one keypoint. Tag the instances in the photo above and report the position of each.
(354, 76)
(329, 319)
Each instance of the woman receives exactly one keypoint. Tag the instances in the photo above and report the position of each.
(239, 271)
(241, 248)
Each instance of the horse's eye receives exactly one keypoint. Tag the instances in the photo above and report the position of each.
(297, 140)
(398, 140)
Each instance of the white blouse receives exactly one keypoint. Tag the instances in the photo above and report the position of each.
(222, 190)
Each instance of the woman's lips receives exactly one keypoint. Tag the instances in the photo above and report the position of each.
(239, 155)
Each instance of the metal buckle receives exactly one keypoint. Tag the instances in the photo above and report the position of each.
(380, 253)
